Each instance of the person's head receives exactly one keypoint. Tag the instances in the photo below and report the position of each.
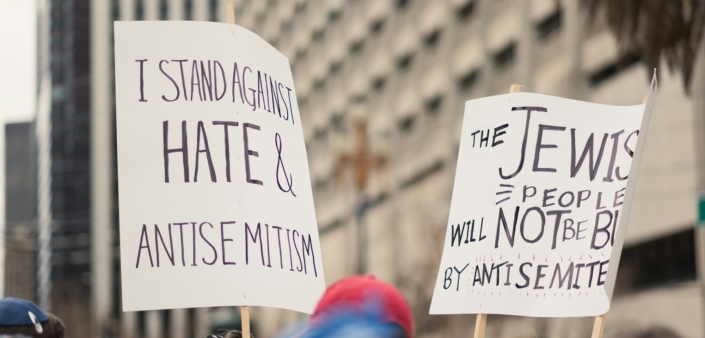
(361, 306)
(19, 317)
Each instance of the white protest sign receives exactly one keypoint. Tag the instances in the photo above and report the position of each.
(540, 203)
(216, 207)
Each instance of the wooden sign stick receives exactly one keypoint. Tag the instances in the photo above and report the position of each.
(480, 323)
(599, 327)
(481, 320)
(245, 320)
(244, 310)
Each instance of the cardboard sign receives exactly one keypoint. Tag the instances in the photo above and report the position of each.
(540, 200)
(216, 206)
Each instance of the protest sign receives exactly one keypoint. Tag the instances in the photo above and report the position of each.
(540, 203)
(216, 207)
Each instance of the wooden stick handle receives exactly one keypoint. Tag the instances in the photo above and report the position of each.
(230, 8)
(245, 321)
(480, 323)
(244, 310)
(599, 326)
(481, 320)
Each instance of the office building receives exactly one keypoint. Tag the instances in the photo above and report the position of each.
(78, 275)
(20, 211)
(411, 65)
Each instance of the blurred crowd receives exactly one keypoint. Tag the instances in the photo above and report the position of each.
(357, 306)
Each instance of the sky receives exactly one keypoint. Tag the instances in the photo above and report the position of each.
(17, 59)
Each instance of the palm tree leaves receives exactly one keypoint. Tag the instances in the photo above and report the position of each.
(655, 29)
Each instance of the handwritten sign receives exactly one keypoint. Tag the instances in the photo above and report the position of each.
(216, 206)
(539, 202)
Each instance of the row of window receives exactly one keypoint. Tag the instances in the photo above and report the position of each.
(501, 58)
(188, 9)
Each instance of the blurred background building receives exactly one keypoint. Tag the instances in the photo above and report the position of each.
(381, 86)
(21, 210)
(410, 65)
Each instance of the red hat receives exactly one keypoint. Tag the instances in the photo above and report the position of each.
(354, 291)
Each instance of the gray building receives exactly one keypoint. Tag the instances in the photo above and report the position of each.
(402, 68)
(20, 211)
(411, 65)
(77, 270)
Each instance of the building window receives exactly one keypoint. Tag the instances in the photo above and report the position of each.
(300, 7)
(407, 123)
(316, 36)
(356, 47)
(321, 182)
(302, 101)
(468, 80)
(333, 16)
(319, 84)
(505, 55)
(337, 122)
(116, 10)
(300, 54)
(163, 9)
(188, 9)
(423, 174)
(212, 10)
(659, 262)
(320, 134)
(286, 25)
(139, 10)
(465, 11)
(335, 67)
(404, 62)
(259, 20)
(433, 104)
(549, 25)
(378, 83)
(432, 38)
(377, 26)
(612, 69)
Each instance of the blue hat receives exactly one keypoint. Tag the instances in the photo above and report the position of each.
(20, 312)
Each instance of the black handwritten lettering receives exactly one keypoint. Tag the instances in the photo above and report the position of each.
(249, 152)
(526, 135)
(142, 99)
(223, 240)
(225, 125)
(183, 150)
(144, 238)
(589, 145)
(280, 165)
(172, 81)
(201, 134)
(540, 145)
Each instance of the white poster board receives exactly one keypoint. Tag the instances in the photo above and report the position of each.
(216, 207)
(540, 203)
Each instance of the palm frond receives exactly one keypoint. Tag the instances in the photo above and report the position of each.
(656, 29)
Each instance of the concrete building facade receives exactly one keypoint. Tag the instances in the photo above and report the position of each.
(411, 65)
(404, 68)
(77, 268)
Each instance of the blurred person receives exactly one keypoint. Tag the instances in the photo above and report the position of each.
(229, 334)
(360, 306)
(22, 318)
(291, 330)
(652, 332)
